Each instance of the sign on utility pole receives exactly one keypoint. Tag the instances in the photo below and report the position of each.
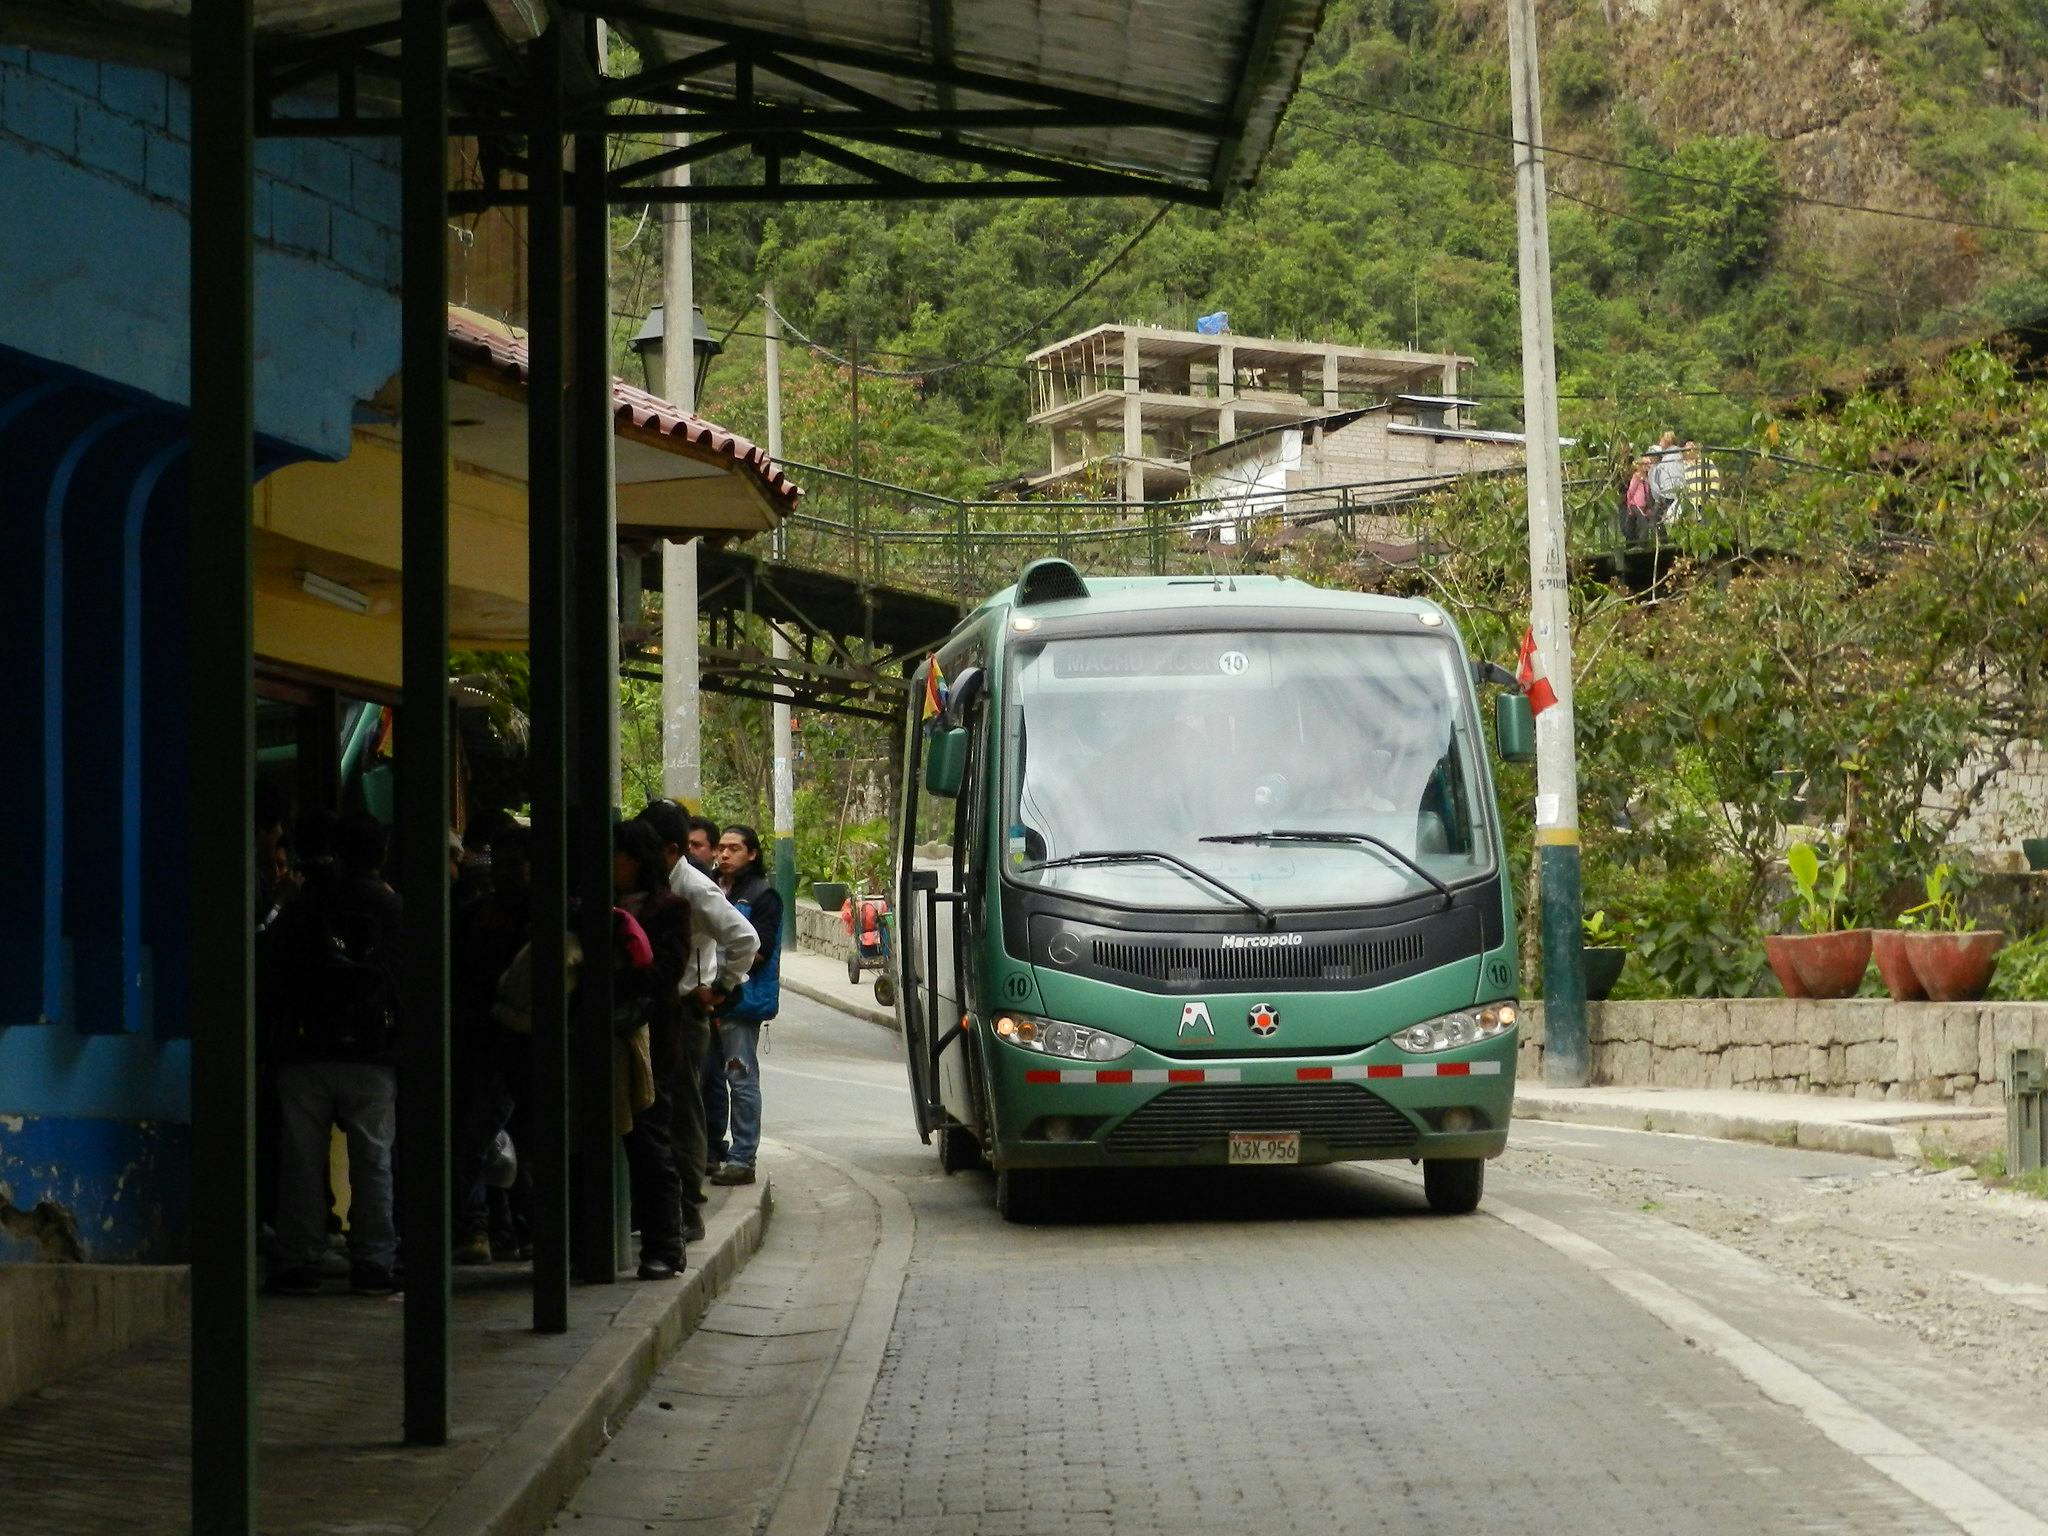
(682, 771)
(784, 778)
(1565, 1054)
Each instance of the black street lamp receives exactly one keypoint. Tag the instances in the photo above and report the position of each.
(648, 343)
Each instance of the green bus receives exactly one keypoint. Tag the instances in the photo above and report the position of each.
(1211, 874)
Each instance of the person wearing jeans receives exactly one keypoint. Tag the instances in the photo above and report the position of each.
(362, 1098)
(722, 947)
(339, 956)
(748, 888)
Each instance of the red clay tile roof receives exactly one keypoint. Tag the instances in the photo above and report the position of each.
(483, 346)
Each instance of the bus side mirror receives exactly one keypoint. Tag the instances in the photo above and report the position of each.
(1514, 728)
(945, 762)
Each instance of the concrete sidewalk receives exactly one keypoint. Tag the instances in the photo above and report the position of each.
(107, 1448)
(1870, 1127)
(822, 979)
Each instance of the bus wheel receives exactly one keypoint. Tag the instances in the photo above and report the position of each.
(958, 1150)
(1022, 1195)
(1453, 1184)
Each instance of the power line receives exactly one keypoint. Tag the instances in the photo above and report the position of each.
(1670, 175)
(949, 365)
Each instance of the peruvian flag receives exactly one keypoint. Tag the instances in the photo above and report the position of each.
(1530, 675)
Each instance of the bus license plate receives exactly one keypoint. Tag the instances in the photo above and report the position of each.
(1265, 1147)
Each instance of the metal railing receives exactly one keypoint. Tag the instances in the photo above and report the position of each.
(887, 535)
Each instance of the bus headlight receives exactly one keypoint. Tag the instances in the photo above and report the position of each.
(1468, 1026)
(1050, 1037)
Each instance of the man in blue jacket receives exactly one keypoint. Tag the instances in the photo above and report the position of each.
(744, 874)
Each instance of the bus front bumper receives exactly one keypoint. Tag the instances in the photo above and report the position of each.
(1153, 1111)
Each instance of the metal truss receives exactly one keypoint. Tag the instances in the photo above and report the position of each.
(755, 102)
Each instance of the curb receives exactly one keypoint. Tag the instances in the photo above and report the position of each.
(1883, 1141)
(520, 1485)
(816, 994)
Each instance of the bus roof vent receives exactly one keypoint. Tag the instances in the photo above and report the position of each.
(1049, 581)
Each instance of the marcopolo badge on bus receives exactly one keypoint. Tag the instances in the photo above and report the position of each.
(1194, 1020)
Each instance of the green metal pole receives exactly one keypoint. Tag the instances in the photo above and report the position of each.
(596, 701)
(222, 892)
(1566, 1059)
(423, 756)
(547, 558)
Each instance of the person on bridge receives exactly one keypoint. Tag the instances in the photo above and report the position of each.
(744, 874)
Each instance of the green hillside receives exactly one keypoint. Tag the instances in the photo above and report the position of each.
(1374, 222)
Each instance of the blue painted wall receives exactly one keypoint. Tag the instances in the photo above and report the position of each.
(95, 271)
(97, 279)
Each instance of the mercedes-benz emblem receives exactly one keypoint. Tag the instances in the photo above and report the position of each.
(1065, 948)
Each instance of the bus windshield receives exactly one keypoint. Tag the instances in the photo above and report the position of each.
(1193, 746)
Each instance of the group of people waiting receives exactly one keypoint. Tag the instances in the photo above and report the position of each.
(1663, 484)
(695, 963)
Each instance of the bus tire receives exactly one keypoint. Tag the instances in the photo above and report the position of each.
(1453, 1185)
(959, 1152)
(1022, 1195)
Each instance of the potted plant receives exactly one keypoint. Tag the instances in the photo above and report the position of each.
(1602, 954)
(829, 894)
(1894, 968)
(1822, 960)
(2036, 850)
(1950, 956)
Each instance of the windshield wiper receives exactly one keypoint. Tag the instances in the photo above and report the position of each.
(1135, 855)
(1297, 835)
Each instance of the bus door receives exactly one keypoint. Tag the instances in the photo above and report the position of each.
(942, 782)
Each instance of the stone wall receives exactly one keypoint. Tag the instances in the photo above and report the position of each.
(1857, 1048)
(820, 931)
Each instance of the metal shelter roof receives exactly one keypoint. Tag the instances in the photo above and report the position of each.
(1168, 98)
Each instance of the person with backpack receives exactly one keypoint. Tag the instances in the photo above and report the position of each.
(651, 994)
(748, 888)
(491, 1066)
(340, 951)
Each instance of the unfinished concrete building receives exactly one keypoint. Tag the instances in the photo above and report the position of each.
(1144, 401)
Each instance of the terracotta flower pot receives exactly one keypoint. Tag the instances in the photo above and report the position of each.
(1955, 967)
(1894, 967)
(1829, 964)
(1778, 950)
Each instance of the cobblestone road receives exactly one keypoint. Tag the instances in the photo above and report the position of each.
(1300, 1350)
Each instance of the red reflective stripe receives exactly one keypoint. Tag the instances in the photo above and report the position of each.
(1393, 1071)
(1312, 1074)
(1041, 1077)
(1185, 1074)
(1454, 1069)
(1112, 1077)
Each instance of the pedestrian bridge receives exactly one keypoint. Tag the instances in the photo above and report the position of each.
(871, 575)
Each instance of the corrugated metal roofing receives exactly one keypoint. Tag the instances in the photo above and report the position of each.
(1206, 80)
(1233, 63)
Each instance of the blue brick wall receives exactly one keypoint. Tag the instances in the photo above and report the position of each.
(103, 153)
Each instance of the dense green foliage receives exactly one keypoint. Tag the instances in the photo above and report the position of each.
(1378, 228)
(1830, 649)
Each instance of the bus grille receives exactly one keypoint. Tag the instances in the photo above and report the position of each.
(1193, 1121)
(1298, 962)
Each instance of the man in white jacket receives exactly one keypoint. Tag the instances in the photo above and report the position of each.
(722, 949)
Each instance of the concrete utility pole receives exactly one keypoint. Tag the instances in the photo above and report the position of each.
(682, 764)
(1565, 1055)
(784, 784)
